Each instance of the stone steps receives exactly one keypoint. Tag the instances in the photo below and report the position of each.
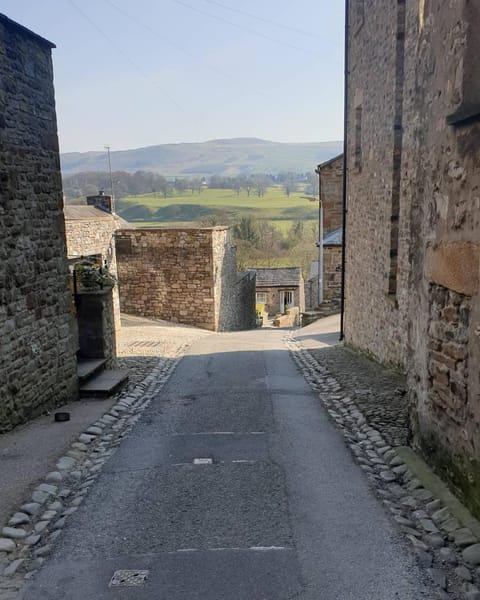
(104, 384)
(87, 368)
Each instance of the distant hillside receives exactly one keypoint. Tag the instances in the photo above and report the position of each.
(227, 157)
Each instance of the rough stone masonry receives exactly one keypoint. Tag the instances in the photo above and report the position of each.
(413, 224)
(37, 351)
(184, 275)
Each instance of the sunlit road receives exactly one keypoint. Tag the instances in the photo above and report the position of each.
(282, 511)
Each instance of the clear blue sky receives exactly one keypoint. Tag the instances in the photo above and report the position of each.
(144, 72)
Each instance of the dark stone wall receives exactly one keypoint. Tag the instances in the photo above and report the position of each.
(37, 352)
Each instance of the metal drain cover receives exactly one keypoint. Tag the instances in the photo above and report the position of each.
(128, 578)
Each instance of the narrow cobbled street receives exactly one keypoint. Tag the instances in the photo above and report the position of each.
(234, 484)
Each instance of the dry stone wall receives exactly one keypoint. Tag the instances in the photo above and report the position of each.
(37, 351)
(413, 227)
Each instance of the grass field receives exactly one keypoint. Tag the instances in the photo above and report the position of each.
(189, 209)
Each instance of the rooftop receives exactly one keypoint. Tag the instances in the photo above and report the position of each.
(90, 213)
(281, 276)
(24, 31)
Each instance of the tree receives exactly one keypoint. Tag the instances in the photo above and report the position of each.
(290, 186)
(261, 184)
(246, 229)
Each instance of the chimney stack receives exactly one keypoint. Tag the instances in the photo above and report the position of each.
(102, 201)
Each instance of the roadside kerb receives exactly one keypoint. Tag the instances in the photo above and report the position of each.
(447, 549)
(30, 533)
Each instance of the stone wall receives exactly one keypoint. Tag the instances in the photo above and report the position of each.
(37, 351)
(413, 227)
(332, 273)
(245, 293)
(181, 275)
(375, 319)
(331, 186)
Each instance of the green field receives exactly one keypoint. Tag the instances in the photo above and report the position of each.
(225, 205)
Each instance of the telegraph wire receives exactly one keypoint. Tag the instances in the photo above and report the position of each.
(136, 66)
(140, 23)
(268, 21)
(236, 25)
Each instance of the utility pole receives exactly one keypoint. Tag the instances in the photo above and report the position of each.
(320, 237)
(107, 148)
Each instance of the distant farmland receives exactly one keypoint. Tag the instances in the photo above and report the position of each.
(221, 204)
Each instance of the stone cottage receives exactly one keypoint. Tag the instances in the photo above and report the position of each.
(412, 294)
(185, 275)
(279, 288)
(90, 231)
(37, 350)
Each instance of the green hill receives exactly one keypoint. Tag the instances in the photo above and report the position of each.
(227, 157)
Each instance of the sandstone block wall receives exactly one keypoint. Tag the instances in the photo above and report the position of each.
(181, 275)
(331, 185)
(37, 351)
(413, 227)
(332, 273)
(375, 319)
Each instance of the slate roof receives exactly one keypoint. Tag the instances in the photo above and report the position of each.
(278, 277)
(91, 213)
(334, 238)
(329, 162)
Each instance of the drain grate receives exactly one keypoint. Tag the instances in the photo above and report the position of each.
(128, 578)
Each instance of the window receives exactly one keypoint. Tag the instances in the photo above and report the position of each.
(261, 298)
(289, 298)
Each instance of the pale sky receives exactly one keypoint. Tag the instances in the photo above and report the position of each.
(146, 72)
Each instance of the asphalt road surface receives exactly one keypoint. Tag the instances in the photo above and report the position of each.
(281, 512)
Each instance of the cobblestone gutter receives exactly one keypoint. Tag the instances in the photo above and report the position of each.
(150, 352)
(448, 550)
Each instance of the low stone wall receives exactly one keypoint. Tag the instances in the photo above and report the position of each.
(290, 319)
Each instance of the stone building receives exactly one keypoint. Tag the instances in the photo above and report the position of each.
(413, 224)
(279, 288)
(37, 350)
(330, 174)
(90, 232)
(185, 275)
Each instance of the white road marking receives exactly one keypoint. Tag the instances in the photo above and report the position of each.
(234, 549)
(220, 433)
